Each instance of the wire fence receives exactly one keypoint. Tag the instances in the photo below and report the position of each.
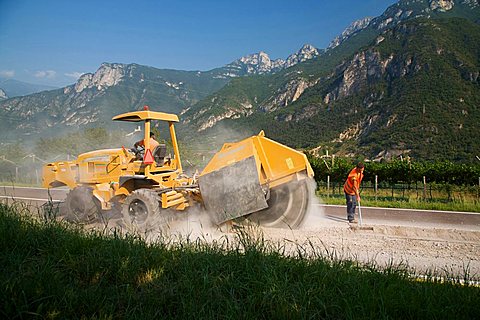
(28, 171)
(22, 175)
(418, 191)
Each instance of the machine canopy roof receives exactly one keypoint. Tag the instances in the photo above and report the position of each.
(137, 116)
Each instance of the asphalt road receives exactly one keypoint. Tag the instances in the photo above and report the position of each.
(370, 216)
(411, 217)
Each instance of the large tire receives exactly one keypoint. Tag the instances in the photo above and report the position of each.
(140, 209)
(287, 206)
(82, 206)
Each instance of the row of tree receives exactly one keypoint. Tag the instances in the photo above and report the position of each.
(15, 157)
(398, 171)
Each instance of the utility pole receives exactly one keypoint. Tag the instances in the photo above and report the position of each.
(14, 163)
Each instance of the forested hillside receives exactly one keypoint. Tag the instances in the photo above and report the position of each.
(413, 90)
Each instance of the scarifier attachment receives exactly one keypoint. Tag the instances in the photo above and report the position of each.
(232, 191)
(257, 178)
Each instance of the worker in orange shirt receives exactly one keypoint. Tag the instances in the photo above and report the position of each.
(352, 190)
(141, 143)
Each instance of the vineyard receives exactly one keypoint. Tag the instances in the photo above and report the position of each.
(424, 185)
(397, 171)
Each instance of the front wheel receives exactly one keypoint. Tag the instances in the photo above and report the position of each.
(140, 209)
(82, 206)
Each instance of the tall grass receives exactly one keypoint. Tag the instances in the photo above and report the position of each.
(57, 271)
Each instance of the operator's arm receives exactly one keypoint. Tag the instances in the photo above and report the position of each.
(138, 143)
(356, 187)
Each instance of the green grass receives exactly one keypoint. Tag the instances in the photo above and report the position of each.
(407, 202)
(55, 271)
(6, 183)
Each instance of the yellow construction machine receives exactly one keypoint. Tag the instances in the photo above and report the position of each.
(256, 180)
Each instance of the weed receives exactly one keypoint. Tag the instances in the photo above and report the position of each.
(54, 270)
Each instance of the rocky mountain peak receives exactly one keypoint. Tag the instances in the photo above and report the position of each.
(443, 5)
(3, 95)
(401, 11)
(260, 63)
(109, 74)
(305, 53)
(308, 48)
(350, 30)
(405, 9)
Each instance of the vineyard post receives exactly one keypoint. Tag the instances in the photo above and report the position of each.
(37, 176)
(376, 186)
(16, 173)
(328, 186)
(424, 188)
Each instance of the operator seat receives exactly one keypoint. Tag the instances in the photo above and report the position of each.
(159, 154)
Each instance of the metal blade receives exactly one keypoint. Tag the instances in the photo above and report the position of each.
(287, 206)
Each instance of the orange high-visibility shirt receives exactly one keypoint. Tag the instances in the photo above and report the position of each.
(153, 144)
(352, 185)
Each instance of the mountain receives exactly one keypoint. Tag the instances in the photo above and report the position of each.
(367, 95)
(352, 29)
(406, 82)
(115, 88)
(260, 63)
(405, 10)
(15, 88)
(415, 91)
(96, 97)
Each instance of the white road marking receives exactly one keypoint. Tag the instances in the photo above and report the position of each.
(317, 204)
(22, 198)
(34, 188)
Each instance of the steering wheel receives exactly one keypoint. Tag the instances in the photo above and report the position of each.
(139, 152)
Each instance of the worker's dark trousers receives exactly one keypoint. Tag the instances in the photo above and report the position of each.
(351, 205)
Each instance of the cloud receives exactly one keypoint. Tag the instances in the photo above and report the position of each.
(48, 74)
(7, 73)
(75, 74)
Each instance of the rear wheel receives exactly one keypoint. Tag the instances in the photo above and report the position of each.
(287, 206)
(140, 209)
(82, 206)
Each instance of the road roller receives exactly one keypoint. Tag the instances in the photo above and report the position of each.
(256, 180)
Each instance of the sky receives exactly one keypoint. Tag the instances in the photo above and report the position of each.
(52, 42)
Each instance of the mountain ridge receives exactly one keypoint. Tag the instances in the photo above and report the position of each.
(378, 93)
(16, 88)
(404, 10)
(117, 87)
(243, 108)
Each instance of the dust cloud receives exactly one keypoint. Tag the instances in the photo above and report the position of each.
(194, 224)
(315, 216)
